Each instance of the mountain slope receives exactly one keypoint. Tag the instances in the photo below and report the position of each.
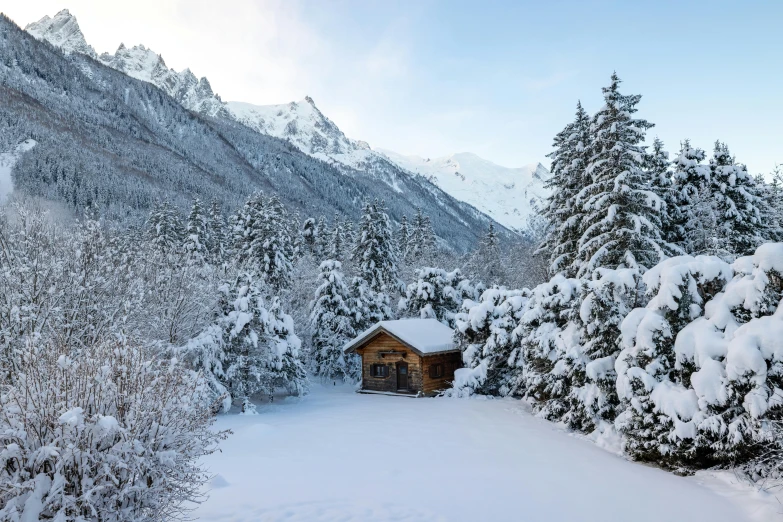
(117, 144)
(509, 195)
(138, 62)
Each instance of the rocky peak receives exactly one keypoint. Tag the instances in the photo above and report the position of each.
(62, 31)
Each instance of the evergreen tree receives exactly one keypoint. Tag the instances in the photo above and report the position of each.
(375, 253)
(691, 182)
(309, 235)
(197, 235)
(261, 349)
(736, 203)
(367, 306)
(217, 241)
(485, 264)
(246, 227)
(273, 247)
(660, 180)
(337, 244)
(563, 211)
(421, 243)
(332, 325)
(164, 227)
(321, 238)
(403, 238)
(437, 294)
(622, 225)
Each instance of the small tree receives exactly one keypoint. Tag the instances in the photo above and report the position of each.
(437, 294)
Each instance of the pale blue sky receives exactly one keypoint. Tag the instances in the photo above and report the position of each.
(498, 78)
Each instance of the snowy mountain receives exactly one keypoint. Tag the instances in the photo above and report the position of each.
(138, 62)
(508, 195)
(61, 31)
(119, 144)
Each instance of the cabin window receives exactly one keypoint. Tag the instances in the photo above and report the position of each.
(436, 371)
(379, 370)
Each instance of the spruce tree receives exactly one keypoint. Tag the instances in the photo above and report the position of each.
(164, 227)
(332, 325)
(272, 246)
(375, 253)
(321, 238)
(217, 240)
(691, 182)
(563, 211)
(197, 235)
(485, 264)
(660, 181)
(621, 226)
(403, 238)
(309, 234)
(737, 202)
(337, 243)
(437, 294)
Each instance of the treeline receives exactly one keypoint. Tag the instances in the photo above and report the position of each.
(119, 345)
(660, 319)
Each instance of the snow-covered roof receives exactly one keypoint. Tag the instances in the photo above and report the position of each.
(426, 336)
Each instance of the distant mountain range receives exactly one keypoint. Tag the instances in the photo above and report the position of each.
(506, 195)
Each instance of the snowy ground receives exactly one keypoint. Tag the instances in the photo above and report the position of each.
(7, 161)
(340, 456)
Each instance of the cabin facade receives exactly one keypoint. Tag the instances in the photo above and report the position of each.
(409, 356)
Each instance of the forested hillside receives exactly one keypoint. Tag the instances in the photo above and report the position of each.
(116, 144)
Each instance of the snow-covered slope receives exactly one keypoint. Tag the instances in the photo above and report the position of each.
(508, 195)
(138, 62)
(306, 127)
(7, 161)
(61, 31)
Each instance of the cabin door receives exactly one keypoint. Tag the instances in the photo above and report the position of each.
(402, 376)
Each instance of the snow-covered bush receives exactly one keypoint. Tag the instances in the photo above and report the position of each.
(603, 304)
(657, 408)
(103, 432)
(548, 336)
(437, 294)
(483, 334)
(701, 372)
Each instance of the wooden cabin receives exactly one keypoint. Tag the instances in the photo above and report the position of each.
(409, 356)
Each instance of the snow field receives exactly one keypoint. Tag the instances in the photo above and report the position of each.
(340, 456)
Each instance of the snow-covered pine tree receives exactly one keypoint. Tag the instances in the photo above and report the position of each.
(563, 211)
(246, 227)
(437, 294)
(375, 253)
(421, 242)
(272, 247)
(337, 245)
(367, 306)
(737, 203)
(657, 409)
(164, 227)
(486, 264)
(309, 234)
(217, 244)
(261, 350)
(548, 334)
(691, 181)
(484, 333)
(403, 238)
(660, 179)
(621, 226)
(332, 325)
(321, 238)
(197, 233)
